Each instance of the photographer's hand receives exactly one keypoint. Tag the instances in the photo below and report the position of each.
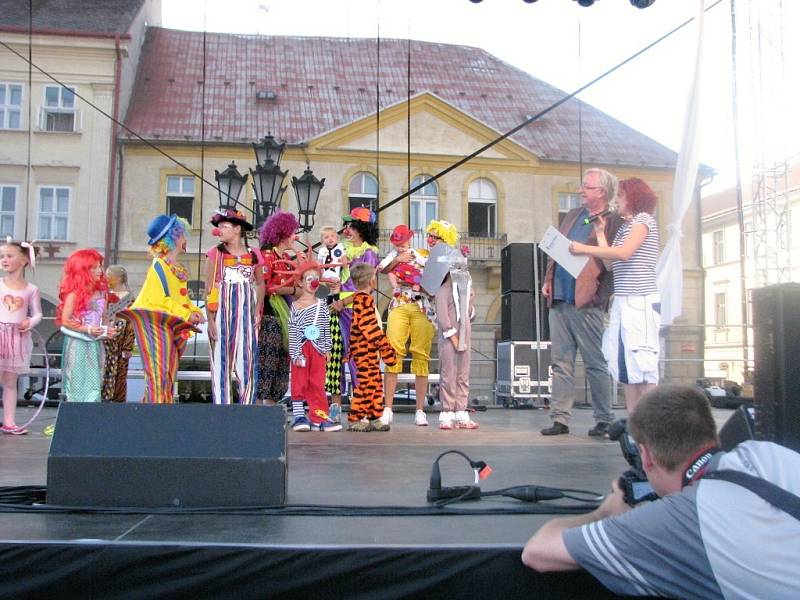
(614, 503)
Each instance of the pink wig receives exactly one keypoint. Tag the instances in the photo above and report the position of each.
(280, 226)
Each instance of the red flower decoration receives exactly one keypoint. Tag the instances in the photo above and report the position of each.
(465, 250)
(184, 291)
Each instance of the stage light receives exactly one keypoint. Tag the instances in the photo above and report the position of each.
(642, 3)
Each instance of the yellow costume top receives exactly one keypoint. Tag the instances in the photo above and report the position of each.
(164, 291)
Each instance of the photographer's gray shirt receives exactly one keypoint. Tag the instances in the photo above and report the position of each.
(714, 539)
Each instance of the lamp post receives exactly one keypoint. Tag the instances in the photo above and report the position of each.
(268, 187)
(307, 190)
(269, 149)
(230, 183)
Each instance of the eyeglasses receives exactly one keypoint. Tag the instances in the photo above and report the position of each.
(433, 237)
(225, 226)
(591, 187)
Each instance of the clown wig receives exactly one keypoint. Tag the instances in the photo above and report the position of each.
(303, 267)
(368, 231)
(445, 231)
(167, 243)
(78, 280)
(280, 226)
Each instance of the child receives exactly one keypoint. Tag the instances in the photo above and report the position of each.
(82, 295)
(403, 274)
(118, 349)
(309, 345)
(20, 312)
(331, 254)
(235, 287)
(367, 341)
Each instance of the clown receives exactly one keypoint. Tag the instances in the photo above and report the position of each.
(410, 316)
(235, 292)
(454, 314)
(163, 316)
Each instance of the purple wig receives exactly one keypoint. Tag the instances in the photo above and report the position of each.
(277, 228)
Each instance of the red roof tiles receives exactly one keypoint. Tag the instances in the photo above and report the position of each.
(324, 83)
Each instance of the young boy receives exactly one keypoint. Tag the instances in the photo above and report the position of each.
(403, 274)
(367, 342)
(309, 345)
(331, 254)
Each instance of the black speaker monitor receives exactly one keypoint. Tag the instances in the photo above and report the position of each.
(776, 327)
(167, 455)
(522, 268)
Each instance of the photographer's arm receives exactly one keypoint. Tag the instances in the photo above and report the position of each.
(546, 550)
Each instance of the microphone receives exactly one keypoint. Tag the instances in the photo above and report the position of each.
(594, 218)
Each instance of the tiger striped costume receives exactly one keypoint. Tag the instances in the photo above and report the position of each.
(368, 344)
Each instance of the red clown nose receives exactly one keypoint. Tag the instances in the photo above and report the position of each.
(216, 232)
(314, 284)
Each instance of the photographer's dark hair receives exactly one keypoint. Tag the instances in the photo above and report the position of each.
(674, 422)
(367, 231)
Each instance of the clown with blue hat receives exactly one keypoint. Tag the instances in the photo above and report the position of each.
(163, 316)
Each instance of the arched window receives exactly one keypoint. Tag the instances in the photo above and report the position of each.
(482, 211)
(424, 203)
(363, 191)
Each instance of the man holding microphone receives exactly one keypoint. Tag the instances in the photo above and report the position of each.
(577, 310)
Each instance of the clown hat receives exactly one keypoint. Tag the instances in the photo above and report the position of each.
(401, 234)
(159, 227)
(229, 215)
(362, 213)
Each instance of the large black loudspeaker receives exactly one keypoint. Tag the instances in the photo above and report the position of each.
(523, 267)
(776, 325)
(167, 455)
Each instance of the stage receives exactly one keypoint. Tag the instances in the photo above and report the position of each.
(246, 555)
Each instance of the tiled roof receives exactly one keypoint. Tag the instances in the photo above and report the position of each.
(324, 83)
(85, 16)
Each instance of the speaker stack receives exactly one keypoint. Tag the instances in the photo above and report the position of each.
(776, 326)
(523, 309)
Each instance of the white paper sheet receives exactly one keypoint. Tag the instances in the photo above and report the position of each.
(556, 246)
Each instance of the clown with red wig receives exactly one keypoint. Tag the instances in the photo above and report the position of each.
(82, 296)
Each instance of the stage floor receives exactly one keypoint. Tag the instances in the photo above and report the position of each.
(362, 469)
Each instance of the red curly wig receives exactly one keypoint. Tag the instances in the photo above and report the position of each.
(638, 195)
(77, 279)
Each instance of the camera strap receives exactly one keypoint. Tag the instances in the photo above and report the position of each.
(699, 465)
(766, 490)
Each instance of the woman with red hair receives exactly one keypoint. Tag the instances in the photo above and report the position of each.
(631, 343)
(82, 294)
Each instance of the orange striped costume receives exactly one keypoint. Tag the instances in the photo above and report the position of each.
(368, 344)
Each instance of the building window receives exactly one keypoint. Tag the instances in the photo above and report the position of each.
(482, 209)
(363, 191)
(566, 202)
(58, 111)
(180, 196)
(8, 208)
(718, 243)
(10, 106)
(424, 203)
(720, 316)
(53, 213)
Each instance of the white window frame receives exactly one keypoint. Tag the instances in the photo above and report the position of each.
(59, 109)
(180, 194)
(7, 107)
(54, 213)
(718, 246)
(488, 200)
(422, 201)
(12, 213)
(363, 198)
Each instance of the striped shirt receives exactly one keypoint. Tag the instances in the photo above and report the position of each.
(316, 314)
(637, 275)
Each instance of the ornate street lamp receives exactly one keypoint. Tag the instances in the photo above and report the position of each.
(268, 188)
(230, 183)
(307, 190)
(269, 149)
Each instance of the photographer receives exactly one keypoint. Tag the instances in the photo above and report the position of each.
(704, 538)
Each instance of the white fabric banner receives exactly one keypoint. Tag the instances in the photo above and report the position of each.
(669, 271)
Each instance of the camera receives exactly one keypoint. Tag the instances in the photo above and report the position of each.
(633, 482)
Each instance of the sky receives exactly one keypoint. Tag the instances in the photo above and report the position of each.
(565, 45)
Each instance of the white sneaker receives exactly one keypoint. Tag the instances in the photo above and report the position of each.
(421, 419)
(463, 421)
(446, 419)
(386, 417)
